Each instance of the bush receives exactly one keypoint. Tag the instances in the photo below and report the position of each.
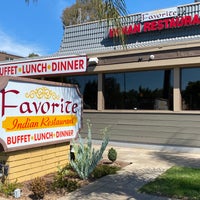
(65, 183)
(8, 188)
(112, 154)
(63, 180)
(38, 187)
(72, 185)
(103, 170)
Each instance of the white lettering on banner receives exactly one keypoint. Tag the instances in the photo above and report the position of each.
(56, 65)
(159, 14)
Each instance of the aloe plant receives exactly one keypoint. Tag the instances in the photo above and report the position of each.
(86, 156)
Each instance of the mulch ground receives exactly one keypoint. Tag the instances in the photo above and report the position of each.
(26, 194)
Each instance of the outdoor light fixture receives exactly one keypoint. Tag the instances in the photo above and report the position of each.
(151, 57)
(93, 61)
(3, 170)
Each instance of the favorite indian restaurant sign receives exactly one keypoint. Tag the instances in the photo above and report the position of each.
(46, 66)
(156, 21)
(36, 113)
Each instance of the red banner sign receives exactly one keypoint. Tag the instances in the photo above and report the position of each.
(156, 25)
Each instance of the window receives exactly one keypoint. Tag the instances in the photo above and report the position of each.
(88, 88)
(9, 58)
(148, 90)
(190, 88)
(87, 85)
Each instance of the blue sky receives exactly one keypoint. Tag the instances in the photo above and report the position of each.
(37, 27)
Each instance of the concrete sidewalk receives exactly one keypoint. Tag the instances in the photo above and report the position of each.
(147, 163)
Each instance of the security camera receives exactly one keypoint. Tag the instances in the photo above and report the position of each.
(93, 61)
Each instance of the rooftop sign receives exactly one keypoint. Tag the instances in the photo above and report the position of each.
(159, 14)
(54, 65)
(157, 25)
(36, 113)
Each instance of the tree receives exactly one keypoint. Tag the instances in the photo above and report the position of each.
(81, 11)
(32, 55)
(106, 8)
(96, 9)
(89, 10)
(27, 1)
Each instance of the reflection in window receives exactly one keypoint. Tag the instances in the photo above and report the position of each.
(88, 88)
(190, 88)
(147, 90)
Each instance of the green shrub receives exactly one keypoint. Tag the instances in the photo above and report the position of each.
(86, 157)
(59, 182)
(72, 185)
(38, 187)
(62, 180)
(8, 188)
(67, 171)
(59, 179)
(103, 170)
(65, 183)
(112, 154)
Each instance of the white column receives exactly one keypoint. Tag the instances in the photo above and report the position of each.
(100, 97)
(177, 90)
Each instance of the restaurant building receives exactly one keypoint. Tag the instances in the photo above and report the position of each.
(147, 91)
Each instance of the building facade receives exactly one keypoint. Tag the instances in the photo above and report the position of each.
(7, 56)
(147, 91)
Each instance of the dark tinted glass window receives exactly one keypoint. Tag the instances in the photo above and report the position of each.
(88, 88)
(139, 90)
(190, 88)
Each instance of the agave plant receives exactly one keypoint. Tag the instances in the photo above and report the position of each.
(86, 156)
